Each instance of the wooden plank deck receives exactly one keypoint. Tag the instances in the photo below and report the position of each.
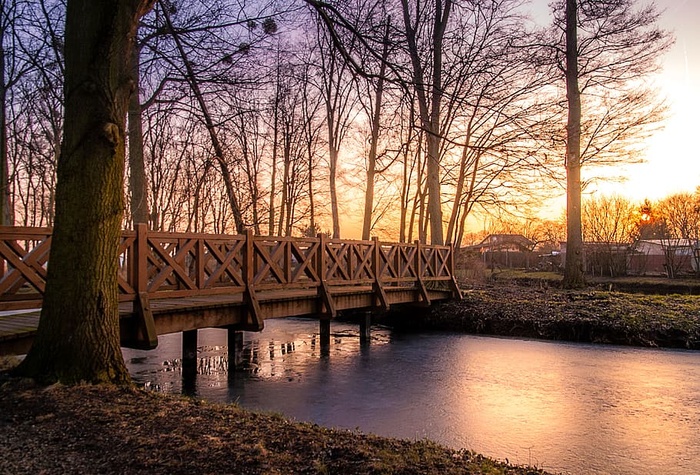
(14, 323)
(18, 327)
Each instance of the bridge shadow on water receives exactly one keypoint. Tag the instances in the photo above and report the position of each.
(268, 355)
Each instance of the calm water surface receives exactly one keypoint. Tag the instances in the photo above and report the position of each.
(569, 408)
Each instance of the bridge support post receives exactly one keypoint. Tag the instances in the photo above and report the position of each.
(235, 349)
(365, 323)
(189, 362)
(325, 335)
(189, 350)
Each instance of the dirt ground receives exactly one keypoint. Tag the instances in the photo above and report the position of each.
(109, 430)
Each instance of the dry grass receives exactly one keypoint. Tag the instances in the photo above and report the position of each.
(108, 430)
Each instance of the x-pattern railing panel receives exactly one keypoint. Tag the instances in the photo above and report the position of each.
(222, 263)
(304, 259)
(24, 253)
(286, 262)
(361, 261)
(338, 262)
(435, 262)
(182, 264)
(387, 259)
(173, 258)
(192, 264)
(397, 263)
(406, 262)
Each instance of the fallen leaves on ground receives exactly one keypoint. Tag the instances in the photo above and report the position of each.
(110, 430)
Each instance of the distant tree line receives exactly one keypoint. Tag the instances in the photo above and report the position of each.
(612, 228)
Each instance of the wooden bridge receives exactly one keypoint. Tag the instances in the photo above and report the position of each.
(179, 282)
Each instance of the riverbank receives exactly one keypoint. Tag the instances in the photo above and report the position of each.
(107, 430)
(593, 315)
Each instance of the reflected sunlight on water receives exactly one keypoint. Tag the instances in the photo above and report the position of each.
(570, 408)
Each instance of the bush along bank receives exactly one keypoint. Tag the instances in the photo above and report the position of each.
(591, 316)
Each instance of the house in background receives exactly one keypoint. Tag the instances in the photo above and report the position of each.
(505, 250)
(670, 257)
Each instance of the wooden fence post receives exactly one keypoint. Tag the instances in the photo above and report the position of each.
(254, 319)
(147, 335)
(324, 291)
(141, 258)
(379, 292)
(419, 274)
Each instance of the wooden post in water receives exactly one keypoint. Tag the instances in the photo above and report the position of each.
(325, 337)
(235, 349)
(189, 350)
(365, 323)
(189, 362)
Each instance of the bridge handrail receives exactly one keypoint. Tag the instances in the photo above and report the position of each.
(166, 265)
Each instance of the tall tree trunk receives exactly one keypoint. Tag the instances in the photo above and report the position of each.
(137, 165)
(430, 113)
(404, 200)
(372, 158)
(459, 191)
(250, 161)
(6, 212)
(405, 231)
(310, 184)
(285, 204)
(78, 335)
(333, 171)
(573, 270)
(275, 148)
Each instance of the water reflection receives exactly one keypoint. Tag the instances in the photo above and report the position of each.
(570, 408)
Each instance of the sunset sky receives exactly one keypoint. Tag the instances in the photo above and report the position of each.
(673, 156)
(672, 160)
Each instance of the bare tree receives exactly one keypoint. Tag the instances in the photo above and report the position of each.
(428, 22)
(138, 204)
(609, 219)
(337, 89)
(219, 154)
(497, 109)
(680, 214)
(605, 50)
(31, 115)
(374, 112)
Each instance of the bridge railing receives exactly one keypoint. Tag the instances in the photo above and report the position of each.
(171, 265)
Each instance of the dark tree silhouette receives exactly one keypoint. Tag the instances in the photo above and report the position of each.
(78, 335)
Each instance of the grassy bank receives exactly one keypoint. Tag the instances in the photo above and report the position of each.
(99, 429)
(538, 310)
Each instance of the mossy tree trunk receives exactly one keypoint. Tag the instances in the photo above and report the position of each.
(78, 335)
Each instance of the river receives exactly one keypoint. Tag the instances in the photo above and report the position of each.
(569, 408)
